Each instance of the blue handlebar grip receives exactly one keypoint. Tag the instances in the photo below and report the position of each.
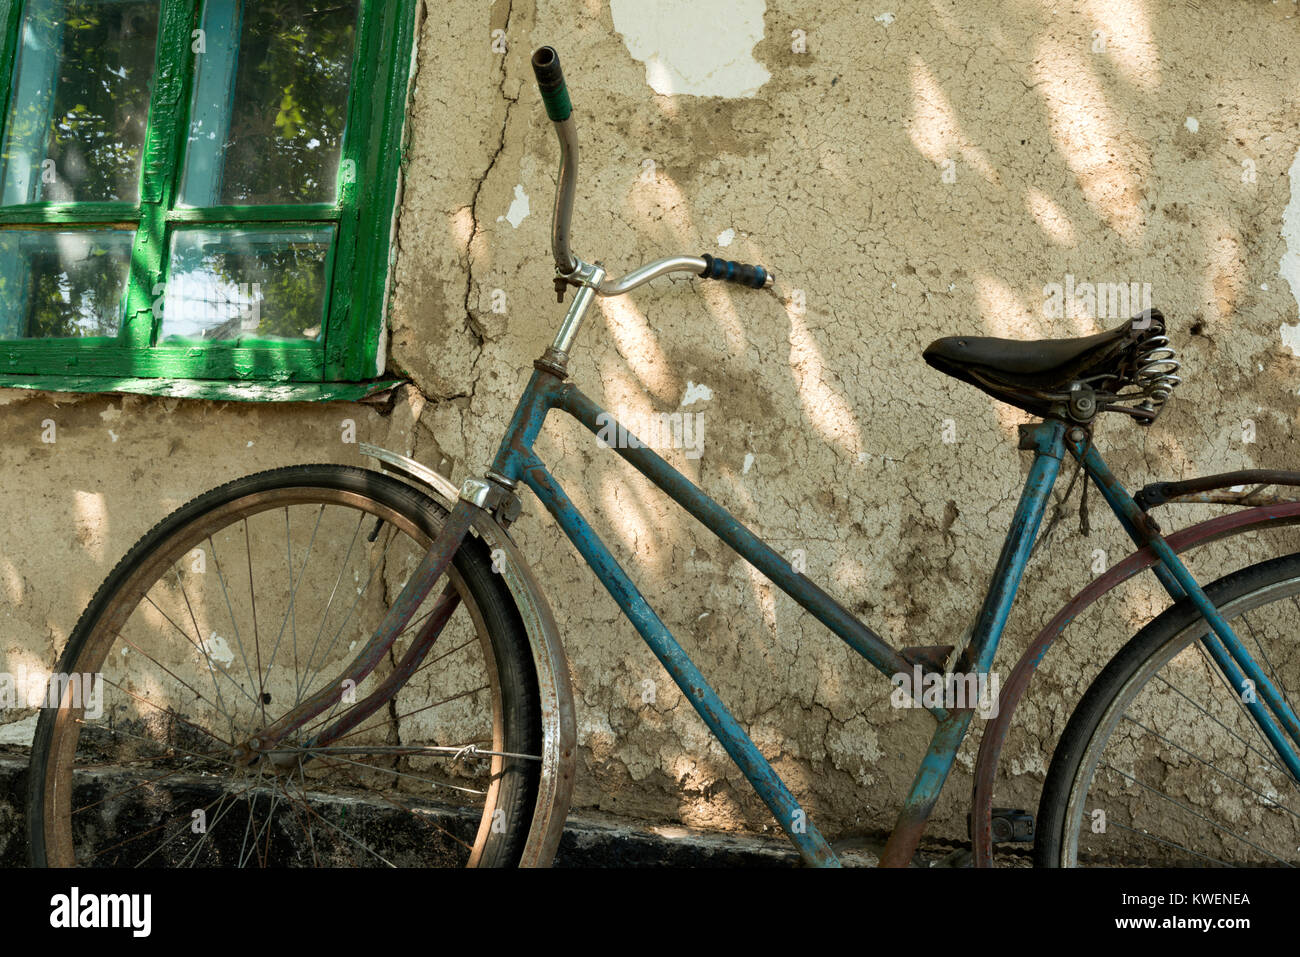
(755, 277)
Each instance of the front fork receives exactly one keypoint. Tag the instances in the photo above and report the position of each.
(432, 567)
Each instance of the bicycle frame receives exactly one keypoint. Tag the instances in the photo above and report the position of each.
(517, 461)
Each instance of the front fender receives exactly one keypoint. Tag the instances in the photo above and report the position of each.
(559, 726)
(986, 764)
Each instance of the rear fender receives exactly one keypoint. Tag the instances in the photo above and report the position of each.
(1013, 689)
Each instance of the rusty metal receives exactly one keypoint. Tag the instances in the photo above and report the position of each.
(1248, 499)
(904, 839)
(441, 613)
(1013, 689)
(926, 788)
(1187, 490)
(431, 568)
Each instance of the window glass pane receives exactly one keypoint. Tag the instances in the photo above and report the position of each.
(234, 283)
(270, 100)
(60, 284)
(80, 101)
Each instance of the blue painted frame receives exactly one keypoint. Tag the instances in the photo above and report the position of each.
(515, 460)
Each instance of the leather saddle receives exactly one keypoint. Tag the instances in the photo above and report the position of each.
(1038, 375)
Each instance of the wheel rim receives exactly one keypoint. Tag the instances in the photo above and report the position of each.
(1252, 813)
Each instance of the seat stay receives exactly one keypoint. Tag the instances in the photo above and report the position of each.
(1266, 704)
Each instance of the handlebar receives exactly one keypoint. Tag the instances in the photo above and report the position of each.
(555, 94)
(550, 81)
(568, 268)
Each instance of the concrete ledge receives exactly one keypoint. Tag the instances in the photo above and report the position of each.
(590, 840)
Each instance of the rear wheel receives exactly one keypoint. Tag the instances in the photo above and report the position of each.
(1161, 764)
(225, 616)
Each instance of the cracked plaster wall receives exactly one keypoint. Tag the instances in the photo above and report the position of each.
(916, 171)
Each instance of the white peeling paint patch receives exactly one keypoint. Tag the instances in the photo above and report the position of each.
(885, 18)
(1289, 267)
(726, 237)
(1291, 337)
(518, 210)
(218, 649)
(749, 463)
(1193, 125)
(696, 393)
(19, 732)
(684, 52)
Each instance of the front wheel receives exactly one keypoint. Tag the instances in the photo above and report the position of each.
(1161, 764)
(233, 610)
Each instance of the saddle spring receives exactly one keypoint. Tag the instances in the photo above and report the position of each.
(1157, 364)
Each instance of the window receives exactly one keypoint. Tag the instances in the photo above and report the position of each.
(196, 195)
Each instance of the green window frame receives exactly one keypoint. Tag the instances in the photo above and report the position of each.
(342, 359)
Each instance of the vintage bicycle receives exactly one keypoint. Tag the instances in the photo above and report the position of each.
(333, 665)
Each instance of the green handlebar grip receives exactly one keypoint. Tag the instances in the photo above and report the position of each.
(550, 81)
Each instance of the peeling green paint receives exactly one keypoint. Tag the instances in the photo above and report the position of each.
(210, 389)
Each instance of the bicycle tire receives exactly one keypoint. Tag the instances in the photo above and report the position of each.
(1257, 826)
(512, 792)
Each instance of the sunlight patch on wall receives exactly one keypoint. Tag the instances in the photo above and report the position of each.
(1103, 155)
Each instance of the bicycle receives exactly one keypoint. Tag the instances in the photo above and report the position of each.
(208, 753)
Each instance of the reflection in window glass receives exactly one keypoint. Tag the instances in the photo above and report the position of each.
(270, 102)
(61, 284)
(80, 102)
(237, 283)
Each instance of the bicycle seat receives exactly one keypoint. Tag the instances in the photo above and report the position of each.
(1034, 374)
